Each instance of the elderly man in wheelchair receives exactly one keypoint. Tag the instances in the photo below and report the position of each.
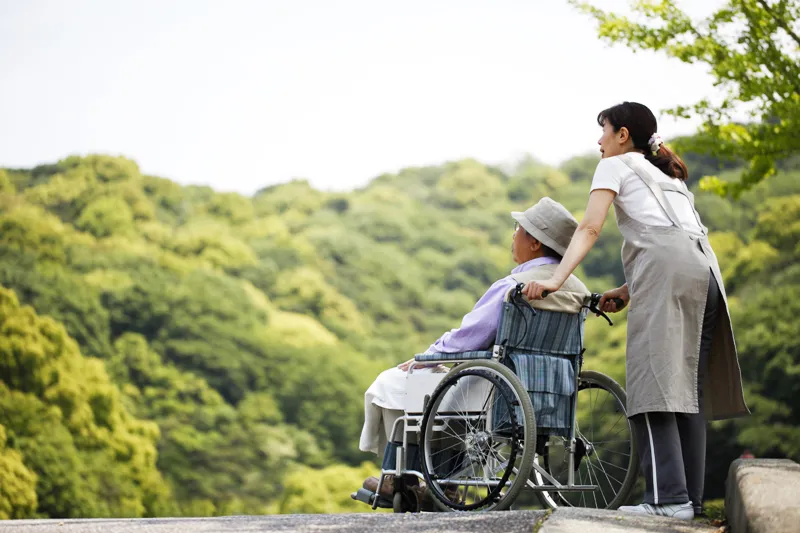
(505, 416)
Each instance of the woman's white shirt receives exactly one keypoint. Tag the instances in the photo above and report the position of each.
(637, 200)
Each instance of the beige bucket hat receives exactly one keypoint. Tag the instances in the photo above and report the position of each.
(548, 222)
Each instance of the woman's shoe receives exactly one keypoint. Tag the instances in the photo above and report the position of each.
(682, 511)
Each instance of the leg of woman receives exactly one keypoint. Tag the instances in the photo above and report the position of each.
(692, 427)
(661, 460)
(672, 446)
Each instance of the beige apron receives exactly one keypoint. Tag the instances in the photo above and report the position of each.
(667, 270)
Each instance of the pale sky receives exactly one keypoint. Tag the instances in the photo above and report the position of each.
(242, 94)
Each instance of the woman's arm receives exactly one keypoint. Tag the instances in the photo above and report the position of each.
(582, 241)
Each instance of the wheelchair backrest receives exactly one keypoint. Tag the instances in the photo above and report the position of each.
(545, 332)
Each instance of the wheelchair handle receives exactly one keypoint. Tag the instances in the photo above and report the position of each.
(595, 300)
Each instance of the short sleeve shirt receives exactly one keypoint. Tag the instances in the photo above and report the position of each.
(636, 199)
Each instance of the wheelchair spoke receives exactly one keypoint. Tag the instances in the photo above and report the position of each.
(583, 494)
(612, 464)
(592, 482)
(442, 450)
(591, 419)
(599, 485)
(615, 452)
(600, 462)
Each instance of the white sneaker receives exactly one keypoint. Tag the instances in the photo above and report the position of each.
(682, 511)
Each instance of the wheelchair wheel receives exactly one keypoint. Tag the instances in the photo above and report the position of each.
(605, 449)
(478, 434)
(405, 502)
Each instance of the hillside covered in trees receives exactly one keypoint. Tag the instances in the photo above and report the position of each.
(169, 350)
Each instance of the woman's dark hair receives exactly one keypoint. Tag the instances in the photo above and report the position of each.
(641, 125)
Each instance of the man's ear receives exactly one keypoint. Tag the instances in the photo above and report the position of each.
(535, 244)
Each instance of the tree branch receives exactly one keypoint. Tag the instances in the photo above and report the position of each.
(780, 22)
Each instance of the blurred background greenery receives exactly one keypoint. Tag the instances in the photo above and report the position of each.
(170, 350)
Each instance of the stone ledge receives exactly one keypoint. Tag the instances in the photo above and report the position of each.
(577, 520)
(763, 496)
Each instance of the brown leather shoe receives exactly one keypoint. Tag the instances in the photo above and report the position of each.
(452, 493)
(425, 497)
(387, 490)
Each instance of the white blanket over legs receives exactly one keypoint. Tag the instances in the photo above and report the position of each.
(384, 403)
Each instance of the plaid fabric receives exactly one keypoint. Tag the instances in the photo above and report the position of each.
(550, 381)
(549, 332)
(457, 356)
(537, 346)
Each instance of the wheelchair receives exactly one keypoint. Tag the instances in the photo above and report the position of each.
(523, 416)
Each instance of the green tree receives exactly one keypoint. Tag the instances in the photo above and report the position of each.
(752, 49)
(6, 186)
(299, 496)
(90, 456)
(17, 483)
(219, 459)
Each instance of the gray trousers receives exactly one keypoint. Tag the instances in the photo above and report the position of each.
(672, 446)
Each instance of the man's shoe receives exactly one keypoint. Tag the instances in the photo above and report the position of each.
(452, 493)
(682, 511)
(387, 489)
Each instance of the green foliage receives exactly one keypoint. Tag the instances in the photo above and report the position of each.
(89, 455)
(779, 223)
(217, 457)
(305, 291)
(751, 50)
(193, 321)
(6, 186)
(106, 216)
(17, 483)
(770, 338)
(310, 490)
(468, 184)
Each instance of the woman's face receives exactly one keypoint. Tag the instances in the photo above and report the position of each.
(614, 142)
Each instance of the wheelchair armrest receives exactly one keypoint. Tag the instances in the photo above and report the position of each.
(456, 356)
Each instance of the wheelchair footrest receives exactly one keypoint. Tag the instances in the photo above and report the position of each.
(368, 497)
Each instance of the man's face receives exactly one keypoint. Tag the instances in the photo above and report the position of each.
(521, 245)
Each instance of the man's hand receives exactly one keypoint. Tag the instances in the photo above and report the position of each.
(437, 367)
(404, 366)
(534, 289)
(607, 303)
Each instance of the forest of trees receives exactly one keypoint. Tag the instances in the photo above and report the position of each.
(169, 350)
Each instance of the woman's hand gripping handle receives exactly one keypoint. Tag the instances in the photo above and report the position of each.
(615, 300)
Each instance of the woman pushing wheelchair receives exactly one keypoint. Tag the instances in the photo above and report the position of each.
(681, 361)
